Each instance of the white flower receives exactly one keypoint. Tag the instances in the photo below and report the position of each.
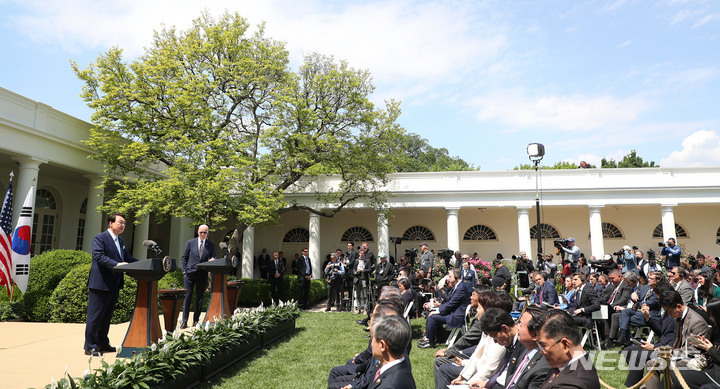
(164, 332)
(153, 347)
(118, 348)
(53, 385)
(166, 348)
(86, 373)
(235, 326)
(207, 326)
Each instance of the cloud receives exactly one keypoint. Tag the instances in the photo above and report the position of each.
(702, 148)
(624, 44)
(574, 112)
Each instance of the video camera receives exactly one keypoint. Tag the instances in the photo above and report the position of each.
(333, 272)
(446, 253)
(411, 254)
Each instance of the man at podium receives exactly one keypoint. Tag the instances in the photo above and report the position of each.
(104, 284)
(197, 250)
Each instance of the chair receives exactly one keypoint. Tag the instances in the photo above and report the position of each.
(455, 333)
(406, 314)
(601, 314)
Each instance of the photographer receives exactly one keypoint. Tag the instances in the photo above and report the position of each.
(646, 267)
(384, 272)
(502, 278)
(672, 253)
(572, 252)
(334, 272)
(426, 259)
(629, 259)
(361, 272)
(522, 268)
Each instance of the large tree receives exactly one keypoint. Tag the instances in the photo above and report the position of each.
(212, 124)
(417, 155)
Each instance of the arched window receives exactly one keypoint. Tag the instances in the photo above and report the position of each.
(46, 213)
(480, 232)
(81, 226)
(359, 234)
(609, 230)
(418, 233)
(297, 235)
(547, 232)
(679, 232)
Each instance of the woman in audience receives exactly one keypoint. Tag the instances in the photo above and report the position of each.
(583, 267)
(568, 292)
(705, 289)
(406, 294)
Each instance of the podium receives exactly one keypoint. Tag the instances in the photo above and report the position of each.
(219, 306)
(145, 324)
(233, 293)
(171, 302)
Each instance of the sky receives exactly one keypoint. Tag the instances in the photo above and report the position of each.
(483, 79)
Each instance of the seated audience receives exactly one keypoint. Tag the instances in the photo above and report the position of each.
(583, 303)
(678, 279)
(545, 292)
(633, 316)
(390, 337)
(451, 313)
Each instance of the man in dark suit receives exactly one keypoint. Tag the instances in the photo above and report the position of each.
(633, 316)
(276, 272)
(533, 367)
(545, 292)
(502, 278)
(559, 341)
(500, 326)
(263, 261)
(451, 312)
(390, 338)
(108, 251)
(304, 267)
(197, 251)
(584, 302)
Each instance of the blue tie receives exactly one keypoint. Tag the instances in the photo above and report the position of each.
(307, 266)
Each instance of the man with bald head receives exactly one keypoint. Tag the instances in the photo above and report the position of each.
(197, 251)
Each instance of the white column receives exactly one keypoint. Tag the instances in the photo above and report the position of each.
(248, 258)
(383, 237)
(27, 176)
(453, 235)
(524, 243)
(314, 246)
(597, 243)
(141, 234)
(93, 217)
(668, 221)
(180, 232)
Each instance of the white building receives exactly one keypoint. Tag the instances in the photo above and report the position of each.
(483, 212)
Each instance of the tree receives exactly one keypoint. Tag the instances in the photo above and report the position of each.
(557, 165)
(631, 160)
(416, 155)
(211, 124)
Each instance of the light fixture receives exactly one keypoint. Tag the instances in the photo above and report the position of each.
(535, 151)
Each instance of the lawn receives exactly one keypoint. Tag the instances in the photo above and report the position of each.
(323, 340)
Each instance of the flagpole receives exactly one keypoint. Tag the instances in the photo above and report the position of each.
(12, 291)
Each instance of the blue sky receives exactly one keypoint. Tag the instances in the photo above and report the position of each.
(588, 79)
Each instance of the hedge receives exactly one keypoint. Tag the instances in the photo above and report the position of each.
(257, 290)
(68, 303)
(46, 272)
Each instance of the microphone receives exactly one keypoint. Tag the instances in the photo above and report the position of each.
(152, 246)
(224, 248)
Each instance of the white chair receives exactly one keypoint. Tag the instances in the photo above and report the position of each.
(455, 333)
(601, 314)
(406, 314)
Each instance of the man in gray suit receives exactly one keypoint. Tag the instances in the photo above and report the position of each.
(679, 282)
(197, 251)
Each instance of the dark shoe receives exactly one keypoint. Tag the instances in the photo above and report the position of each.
(362, 322)
(423, 341)
(183, 325)
(107, 349)
(327, 309)
(426, 345)
(94, 352)
(366, 329)
(195, 323)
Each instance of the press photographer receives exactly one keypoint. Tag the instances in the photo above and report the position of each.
(672, 253)
(334, 272)
(568, 251)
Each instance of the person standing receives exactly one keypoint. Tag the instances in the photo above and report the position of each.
(108, 251)
(276, 272)
(384, 272)
(197, 251)
(263, 261)
(426, 259)
(572, 253)
(672, 253)
(304, 277)
(334, 273)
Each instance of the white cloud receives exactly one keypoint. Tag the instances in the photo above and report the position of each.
(624, 44)
(576, 112)
(701, 148)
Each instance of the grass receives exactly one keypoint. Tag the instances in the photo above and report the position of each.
(323, 340)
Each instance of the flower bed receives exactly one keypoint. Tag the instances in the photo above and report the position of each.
(182, 360)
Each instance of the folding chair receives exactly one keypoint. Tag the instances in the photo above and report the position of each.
(601, 314)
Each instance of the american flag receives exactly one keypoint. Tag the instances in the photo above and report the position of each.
(5, 234)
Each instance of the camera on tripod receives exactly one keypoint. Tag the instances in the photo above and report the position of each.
(446, 253)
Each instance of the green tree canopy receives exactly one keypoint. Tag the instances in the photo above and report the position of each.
(212, 124)
(557, 165)
(416, 155)
(628, 161)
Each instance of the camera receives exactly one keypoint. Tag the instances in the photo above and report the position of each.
(446, 253)
(692, 261)
(619, 252)
(651, 255)
(333, 270)
(661, 244)
(560, 243)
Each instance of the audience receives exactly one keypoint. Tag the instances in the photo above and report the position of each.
(450, 313)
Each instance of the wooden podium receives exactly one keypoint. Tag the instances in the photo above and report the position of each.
(219, 307)
(145, 324)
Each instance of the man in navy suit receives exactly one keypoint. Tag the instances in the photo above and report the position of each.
(104, 284)
(451, 312)
(197, 250)
(276, 272)
(390, 338)
(304, 267)
(545, 292)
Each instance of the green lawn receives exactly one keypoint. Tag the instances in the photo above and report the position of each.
(323, 340)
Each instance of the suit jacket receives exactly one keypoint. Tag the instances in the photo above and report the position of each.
(647, 296)
(263, 259)
(622, 296)
(384, 273)
(191, 256)
(588, 301)
(470, 338)
(517, 352)
(533, 375)
(580, 375)
(300, 264)
(455, 306)
(398, 376)
(549, 294)
(272, 270)
(105, 257)
(692, 324)
(663, 326)
(686, 292)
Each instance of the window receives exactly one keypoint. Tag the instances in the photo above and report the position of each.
(679, 232)
(297, 235)
(81, 226)
(609, 231)
(418, 233)
(46, 213)
(359, 234)
(480, 232)
(547, 232)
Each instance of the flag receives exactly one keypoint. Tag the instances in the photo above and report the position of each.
(21, 243)
(5, 243)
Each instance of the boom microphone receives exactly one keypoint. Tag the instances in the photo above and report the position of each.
(152, 246)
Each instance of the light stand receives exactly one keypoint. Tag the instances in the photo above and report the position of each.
(536, 152)
(395, 240)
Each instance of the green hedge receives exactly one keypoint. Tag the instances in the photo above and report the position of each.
(68, 303)
(12, 310)
(256, 291)
(46, 272)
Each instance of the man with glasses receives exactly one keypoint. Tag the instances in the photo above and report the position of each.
(559, 341)
(545, 292)
(633, 316)
(677, 277)
(197, 251)
(304, 267)
(583, 303)
(672, 253)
